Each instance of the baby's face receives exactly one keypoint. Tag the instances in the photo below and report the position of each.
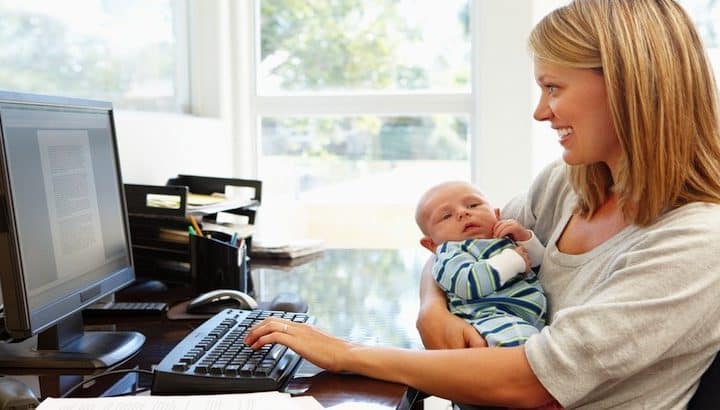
(458, 212)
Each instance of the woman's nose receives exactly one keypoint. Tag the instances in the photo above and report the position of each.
(542, 111)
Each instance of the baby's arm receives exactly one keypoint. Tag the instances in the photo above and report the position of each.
(459, 268)
(523, 237)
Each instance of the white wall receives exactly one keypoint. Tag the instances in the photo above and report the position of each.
(156, 146)
(502, 152)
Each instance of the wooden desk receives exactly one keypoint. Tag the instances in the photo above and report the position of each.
(367, 296)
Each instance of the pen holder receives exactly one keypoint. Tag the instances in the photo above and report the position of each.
(216, 264)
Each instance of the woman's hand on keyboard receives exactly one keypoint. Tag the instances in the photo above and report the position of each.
(314, 345)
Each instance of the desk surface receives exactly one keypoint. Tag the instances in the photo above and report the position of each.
(367, 296)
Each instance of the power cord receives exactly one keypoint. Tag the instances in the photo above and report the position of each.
(108, 373)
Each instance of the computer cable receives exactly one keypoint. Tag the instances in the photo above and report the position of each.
(108, 373)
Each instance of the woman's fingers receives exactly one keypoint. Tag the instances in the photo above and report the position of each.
(317, 347)
(267, 331)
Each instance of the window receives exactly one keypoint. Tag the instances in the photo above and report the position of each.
(122, 51)
(361, 106)
(706, 14)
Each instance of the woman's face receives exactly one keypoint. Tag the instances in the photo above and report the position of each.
(575, 103)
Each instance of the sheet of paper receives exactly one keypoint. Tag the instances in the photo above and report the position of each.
(199, 199)
(306, 403)
(249, 401)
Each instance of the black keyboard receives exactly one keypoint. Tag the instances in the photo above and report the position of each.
(214, 359)
(126, 308)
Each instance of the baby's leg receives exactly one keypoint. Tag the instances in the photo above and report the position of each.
(504, 330)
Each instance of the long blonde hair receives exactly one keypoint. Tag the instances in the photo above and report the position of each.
(662, 97)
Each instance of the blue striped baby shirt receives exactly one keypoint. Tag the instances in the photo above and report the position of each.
(505, 306)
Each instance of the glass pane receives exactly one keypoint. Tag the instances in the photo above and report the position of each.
(322, 45)
(118, 50)
(363, 296)
(354, 181)
(706, 14)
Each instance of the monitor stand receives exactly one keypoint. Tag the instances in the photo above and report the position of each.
(67, 346)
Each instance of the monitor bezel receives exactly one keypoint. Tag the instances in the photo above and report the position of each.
(21, 321)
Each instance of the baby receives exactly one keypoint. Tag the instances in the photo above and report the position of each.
(483, 263)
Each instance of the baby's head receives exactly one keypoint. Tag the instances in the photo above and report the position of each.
(454, 211)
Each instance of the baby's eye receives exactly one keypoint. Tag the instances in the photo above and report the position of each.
(445, 216)
(473, 205)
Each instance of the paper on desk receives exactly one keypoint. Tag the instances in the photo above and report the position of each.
(248, 401)
(199, 199)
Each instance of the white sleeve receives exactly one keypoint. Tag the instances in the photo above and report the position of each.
(508, 264)
(535, 249)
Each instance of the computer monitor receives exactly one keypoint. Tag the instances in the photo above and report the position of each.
(64, 239)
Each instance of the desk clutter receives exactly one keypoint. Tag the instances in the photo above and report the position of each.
(163, 334)
(289, 249)
(178, 235)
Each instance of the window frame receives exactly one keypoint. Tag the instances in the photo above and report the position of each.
(499, 103)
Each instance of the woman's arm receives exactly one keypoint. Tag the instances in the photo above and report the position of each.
(438, 328)
(489, 376)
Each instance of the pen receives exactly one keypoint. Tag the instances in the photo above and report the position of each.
(195, 225)
(191, 231)
(233, 239)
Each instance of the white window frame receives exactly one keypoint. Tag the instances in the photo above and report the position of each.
(499, 106)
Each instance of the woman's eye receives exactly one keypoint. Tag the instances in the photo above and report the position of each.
(550, 89)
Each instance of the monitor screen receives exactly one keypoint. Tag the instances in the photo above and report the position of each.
(64, 239)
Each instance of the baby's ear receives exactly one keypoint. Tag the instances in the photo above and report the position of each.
(497, 213)
(428, 244)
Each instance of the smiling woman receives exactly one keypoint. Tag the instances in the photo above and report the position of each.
(653, 273)
(568, 96)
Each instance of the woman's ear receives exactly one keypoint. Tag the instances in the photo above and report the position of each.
(428, 244)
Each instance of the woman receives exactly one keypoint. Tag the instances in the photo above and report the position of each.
(631, 222)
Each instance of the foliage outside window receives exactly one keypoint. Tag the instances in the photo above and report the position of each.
(122, 51)
(363, 45)
(332, 173)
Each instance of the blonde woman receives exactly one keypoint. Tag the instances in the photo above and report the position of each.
(630, 218)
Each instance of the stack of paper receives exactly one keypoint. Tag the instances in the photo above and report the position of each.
(262, 248)
(248, 401)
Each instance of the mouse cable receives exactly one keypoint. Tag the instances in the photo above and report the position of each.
(108, 373)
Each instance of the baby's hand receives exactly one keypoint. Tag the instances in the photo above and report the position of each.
(524, 253)
(511, 228)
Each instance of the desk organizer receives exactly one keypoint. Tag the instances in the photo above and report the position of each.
(217, 264)
(158, 216)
